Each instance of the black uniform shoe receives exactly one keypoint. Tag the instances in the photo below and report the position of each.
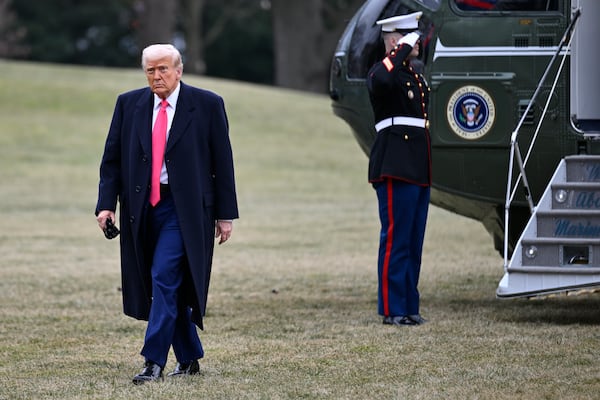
(181, 369)
(418, 319)
(400, 320)
(151, 372)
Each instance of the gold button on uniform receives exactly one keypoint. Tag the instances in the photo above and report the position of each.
(405, 137)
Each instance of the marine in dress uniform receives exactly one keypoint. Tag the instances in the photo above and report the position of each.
(400, 168)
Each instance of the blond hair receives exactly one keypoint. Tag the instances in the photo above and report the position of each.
(155, 51)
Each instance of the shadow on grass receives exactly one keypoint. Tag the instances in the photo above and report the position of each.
(559, 309)
(472, 296)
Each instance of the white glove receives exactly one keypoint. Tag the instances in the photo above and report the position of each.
(410, 39)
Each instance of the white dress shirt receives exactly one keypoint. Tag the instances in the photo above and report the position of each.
(172, 100)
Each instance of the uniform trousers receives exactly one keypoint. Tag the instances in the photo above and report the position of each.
(403, 211)
(169, 321)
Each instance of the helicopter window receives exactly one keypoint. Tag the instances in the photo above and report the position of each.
(507, 5)
(431, 4)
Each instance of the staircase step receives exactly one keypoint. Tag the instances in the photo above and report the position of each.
(561, 253)
(583, 168)
(518, 282)
(541, 269)
(561, 240)
(576, 196)
(568, 223)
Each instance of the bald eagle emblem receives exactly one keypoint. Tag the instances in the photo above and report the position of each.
(470, 112)
(470, 115)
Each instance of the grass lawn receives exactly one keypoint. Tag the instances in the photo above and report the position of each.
(292, 305)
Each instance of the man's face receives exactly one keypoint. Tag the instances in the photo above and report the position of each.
(162, 76)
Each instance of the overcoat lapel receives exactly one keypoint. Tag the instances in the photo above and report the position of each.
(182, 117)
(143, 121)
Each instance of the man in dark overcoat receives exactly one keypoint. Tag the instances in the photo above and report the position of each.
(168, 163)
(400, 168)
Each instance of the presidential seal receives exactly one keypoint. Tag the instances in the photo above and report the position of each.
(470, 112)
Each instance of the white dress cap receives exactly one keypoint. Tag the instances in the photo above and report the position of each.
(400, 22)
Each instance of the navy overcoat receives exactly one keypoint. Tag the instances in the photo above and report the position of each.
(199, 162)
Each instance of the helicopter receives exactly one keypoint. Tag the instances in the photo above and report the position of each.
(505, 75)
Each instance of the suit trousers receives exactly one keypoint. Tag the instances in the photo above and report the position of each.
(169, 321)
(403, 209)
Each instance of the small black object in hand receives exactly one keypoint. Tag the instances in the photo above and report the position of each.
(110, 230)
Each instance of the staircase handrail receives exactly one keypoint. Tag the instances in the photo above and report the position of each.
(514, 146)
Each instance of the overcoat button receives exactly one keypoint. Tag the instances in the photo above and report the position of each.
(132, 219)
(138, 189)
(405, 137)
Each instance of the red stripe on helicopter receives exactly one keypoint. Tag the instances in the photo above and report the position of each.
(481, 4)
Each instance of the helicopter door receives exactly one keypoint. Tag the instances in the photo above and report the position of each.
(585, 80)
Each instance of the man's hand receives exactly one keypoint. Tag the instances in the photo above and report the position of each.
(410, 39)
(223, 230)
(103, 216)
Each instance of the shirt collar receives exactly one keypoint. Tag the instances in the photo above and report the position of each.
(172, 99)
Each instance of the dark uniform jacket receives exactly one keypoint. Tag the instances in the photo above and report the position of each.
(396, 90)
(201, 178)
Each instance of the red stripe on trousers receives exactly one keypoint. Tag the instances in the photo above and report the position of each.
(388, 249)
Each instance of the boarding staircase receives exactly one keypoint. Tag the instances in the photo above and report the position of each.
(559, 250)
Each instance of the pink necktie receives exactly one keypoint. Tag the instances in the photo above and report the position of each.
(159, 138)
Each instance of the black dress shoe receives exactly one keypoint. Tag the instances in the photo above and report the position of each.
(192, 368)
(400, 320)
(151, 372)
